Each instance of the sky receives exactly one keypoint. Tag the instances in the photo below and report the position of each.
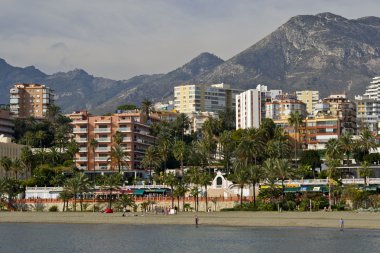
(119, 39)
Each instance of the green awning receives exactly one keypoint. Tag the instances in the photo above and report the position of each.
(155, 190)
(138, 192)
(292, 189)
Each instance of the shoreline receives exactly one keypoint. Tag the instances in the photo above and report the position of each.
(231, 219)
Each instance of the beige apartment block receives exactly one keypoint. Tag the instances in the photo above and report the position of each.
(30, 100)
(310, 98)
(204, 98)
(6, 124)
(283, 106)
(136, 139)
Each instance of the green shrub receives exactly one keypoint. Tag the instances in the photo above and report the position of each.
(53, 208)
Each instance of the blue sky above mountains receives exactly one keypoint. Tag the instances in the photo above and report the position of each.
(122, 38)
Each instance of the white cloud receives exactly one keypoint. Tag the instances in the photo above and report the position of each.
(122, 38)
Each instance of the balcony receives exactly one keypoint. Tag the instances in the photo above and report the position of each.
(103, 139)
(102, 167)
(82, 167)
(79, 130)
(103, 149)
(82, 149)
(101, 158)
(82, 159)
(81, 140)
(79, 121)
(127, 139)
(102, 130)
(103, 121)
(124, 129)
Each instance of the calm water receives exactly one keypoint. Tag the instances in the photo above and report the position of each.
(72, 238)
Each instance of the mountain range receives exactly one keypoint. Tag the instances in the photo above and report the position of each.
(324, 52)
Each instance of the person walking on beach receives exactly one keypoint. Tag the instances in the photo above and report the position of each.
(196, 220)
(341, 224)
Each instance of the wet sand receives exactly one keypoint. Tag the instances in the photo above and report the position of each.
(251, 219)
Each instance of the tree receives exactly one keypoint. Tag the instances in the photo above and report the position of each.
(27, 159)
(311, 158)
(17, 167)
(118, 157)
(240, 177)
(73, 186)
(171, 180)
(181, 124)
(193, 176)
(112, 183)
(179, 152)
(125, 201)
(65, 196)
(164, 146)
(295, 120)
(93, 143)
(228, 145)
(347, 146)
(255, 175)
(365, 171)
(333, 149)
(205, 180)
(150, 160)
(146, 108)
(250, 147)
(127, 107)
(118, 138)
(6, 164)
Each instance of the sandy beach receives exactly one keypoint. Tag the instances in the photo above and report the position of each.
(251, 219)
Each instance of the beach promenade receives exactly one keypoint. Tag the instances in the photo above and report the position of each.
(365, 220)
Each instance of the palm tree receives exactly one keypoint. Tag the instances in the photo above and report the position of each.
(118, 138)
(365, 171)
(73, 186)
(346, 145)
(93, 143)
(125, 201)
(17, 167)
(65, 196)
(40, 136)
(27, 159)
(333, 149)
(367, 141)
(84, 187)
(250, 147)
(112, 183)
(164, 146)
(118, 157)
(241, 178)
(255, 174)
(193, 175)
(205, 180)
(179, 152)
(146, 108)
(171, 180)
(150, 160)
(295, 120)
(282, 170)
(228, 146)
(6, 164)
(181, 124)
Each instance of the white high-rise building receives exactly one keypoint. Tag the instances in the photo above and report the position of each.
(368, 106)
(250, 106)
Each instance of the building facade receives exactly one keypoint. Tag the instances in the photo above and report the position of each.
(6, 124)
(204, 98)
(250, 106)
(368, 107)
(310, 98)
(102, 129)
(283, 106)
(30, 100)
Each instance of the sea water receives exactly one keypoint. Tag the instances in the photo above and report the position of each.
(102, 238)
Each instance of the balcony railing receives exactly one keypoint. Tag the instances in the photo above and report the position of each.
(124, 129)
(101, 158)
(81, 140)
(127, 139)
(102, 167)
(79, 130)
(103, 139)
(102, 130)
(83, 149)
(82, 159)
(102, 149)
(82, 167)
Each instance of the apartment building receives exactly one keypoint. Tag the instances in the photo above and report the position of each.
(136, 139)
(6, 124)
(338, 105)
(250, 106)
(310, 98)
(30, 100)
(204, 98)
(315, 132)
(283, 105)
(368, 107)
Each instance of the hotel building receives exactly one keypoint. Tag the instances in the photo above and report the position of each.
(30, 100)
(250, 106)
(204, 98)
(136, 139)
(310, 98)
